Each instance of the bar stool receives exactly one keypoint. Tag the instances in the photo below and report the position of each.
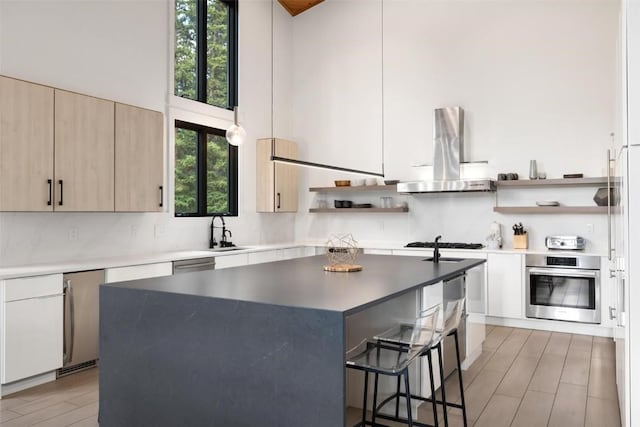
(383, 358)
(451, 321)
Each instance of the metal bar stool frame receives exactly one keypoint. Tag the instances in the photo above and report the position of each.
(433, 399)
(422, 339)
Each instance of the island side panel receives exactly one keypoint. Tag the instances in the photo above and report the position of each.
(169, 359)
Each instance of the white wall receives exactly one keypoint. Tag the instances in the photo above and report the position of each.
(537, 80)
(120, 50)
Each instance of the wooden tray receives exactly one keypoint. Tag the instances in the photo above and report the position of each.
(343, 268)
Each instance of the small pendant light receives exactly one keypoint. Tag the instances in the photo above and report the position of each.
(236, 133)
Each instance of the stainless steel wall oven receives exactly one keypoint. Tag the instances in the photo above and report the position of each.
(563, 287)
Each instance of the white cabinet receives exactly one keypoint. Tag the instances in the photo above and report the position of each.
(298, 252)
(278, 254)
(227, 261)
(378, 251)
(31, 324)
(505, 285)
(261, 257)
(134, 272)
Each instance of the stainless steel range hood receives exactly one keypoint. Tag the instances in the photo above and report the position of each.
(448, 146)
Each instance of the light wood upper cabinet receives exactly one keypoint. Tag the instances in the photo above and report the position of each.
(26, 146)
(139, 160)
(84, 153)
(276, 183)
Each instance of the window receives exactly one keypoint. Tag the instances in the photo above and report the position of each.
(206, 172)
(206, 50)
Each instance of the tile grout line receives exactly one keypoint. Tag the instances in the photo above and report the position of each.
(514, 359)
(586, 403)
(529, 383)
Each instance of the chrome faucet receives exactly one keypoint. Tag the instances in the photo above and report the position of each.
(436, 249)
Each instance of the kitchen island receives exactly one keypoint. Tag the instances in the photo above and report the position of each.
(255, 345)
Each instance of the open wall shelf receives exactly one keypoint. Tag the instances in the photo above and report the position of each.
(552, 209)
(348, 189)
(576, 182)
(359, 210)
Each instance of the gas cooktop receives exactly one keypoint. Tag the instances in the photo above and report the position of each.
(445, 245)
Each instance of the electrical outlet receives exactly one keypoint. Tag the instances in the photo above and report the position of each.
(590, 228)
(74, 234)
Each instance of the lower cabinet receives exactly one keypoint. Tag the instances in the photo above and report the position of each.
(235, 260)
(135, 272)
(31, 324)
(505, 285)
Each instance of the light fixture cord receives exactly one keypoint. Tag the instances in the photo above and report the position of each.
(382, 74)
(272, 67)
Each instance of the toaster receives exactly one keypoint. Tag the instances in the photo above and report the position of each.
(565, 242)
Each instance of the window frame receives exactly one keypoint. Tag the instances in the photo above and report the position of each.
(201, 172)
(201, 54)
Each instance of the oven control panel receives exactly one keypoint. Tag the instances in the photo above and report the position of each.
(586, 262)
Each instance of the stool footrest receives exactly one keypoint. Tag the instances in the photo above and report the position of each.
(417, 397)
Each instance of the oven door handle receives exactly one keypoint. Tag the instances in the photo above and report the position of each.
(563, 272)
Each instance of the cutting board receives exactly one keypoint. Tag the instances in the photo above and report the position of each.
(343, 268)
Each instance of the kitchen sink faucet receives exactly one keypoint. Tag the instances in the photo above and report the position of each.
(223, 240)
(436, 249)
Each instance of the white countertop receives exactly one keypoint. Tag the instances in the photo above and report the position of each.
(382, 245)
(26, 270)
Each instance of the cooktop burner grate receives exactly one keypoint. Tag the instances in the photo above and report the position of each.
(445, 245)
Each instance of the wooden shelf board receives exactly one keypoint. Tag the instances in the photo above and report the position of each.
(552, 209)
(359, 210)
(591, 181)
(353, 188)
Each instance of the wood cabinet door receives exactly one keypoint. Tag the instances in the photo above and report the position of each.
(276, 183)
(139, 162)
(265, 196)
(84, 153)
(26, 146)
(286, 178)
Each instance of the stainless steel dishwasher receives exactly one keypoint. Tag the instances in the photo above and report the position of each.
(197, 264)
(80, 336)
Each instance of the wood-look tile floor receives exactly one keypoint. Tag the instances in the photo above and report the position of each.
(69, 401)
(530, 378)
(523, 378)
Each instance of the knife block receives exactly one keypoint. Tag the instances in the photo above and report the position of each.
(521, 241)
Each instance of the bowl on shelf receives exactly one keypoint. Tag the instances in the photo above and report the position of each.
(342, 203)
(547, 203)
(342, 183)
(391, 181)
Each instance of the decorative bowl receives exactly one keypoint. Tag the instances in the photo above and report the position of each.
(342, 183)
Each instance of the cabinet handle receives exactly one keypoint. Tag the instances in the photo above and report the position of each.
(611, 311)
(278, 207)
(61, 187)
(609, 245)
(50, 182)
(68, 294)
(161, 195)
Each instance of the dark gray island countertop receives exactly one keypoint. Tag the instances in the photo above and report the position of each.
(261, 344)
(303, 283)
